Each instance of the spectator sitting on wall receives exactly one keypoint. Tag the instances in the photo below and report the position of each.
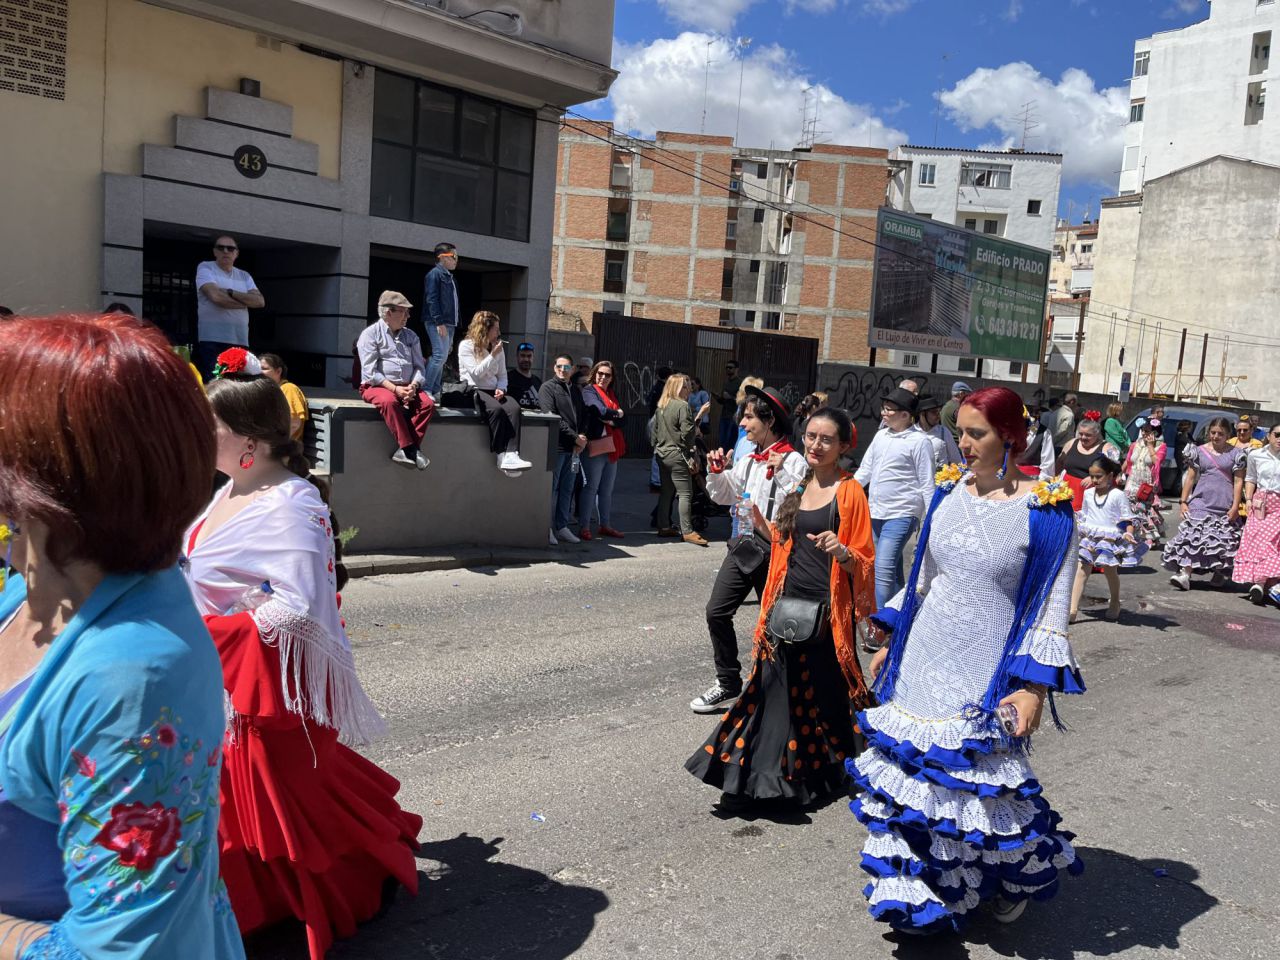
(697, 399)
(392, 372)
(273, 367)
(483, 367)
(224, 296)
(440, 294)
(522, 382)
(959, 390)
(558, 395)
(730, 398)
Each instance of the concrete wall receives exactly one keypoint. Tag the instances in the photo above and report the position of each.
(1205, 253)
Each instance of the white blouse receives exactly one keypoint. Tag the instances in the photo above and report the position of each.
(1263, 470)
(489, 372)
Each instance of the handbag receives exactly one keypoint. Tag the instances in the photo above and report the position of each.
(795, 619)
(1145, 490)
(749, 552)
(600, 445)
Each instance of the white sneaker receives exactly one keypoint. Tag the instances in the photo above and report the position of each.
(514, 461)
(1181, 580)
(565, 534)
(402, 458)
(1006, 912)
(551, 539)
(501, 459)
(421, 461)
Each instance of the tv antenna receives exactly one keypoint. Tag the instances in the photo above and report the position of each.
(1027, 117)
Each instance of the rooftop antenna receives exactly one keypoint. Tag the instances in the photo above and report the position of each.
(742, 44)
(706, 85)
(1027, 117)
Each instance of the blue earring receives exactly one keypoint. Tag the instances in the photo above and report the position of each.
(1004, 465)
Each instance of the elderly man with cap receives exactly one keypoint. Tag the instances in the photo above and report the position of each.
(392, 373)
(929, 419)
(773, 470)
(897, 471)
(959, 390)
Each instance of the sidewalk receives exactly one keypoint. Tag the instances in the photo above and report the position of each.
(632, 504)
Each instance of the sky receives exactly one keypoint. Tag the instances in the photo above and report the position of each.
(955, 73)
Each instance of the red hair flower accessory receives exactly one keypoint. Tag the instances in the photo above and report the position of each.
(1093, 415)
(237, 360)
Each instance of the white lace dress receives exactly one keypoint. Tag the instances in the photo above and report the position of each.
(954, 817)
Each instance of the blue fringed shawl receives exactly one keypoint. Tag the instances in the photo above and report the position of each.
(1051, 531)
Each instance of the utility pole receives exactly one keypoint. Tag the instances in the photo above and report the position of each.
(1075, 367)
(1222, 379)
(1182, 353)
(1204, 353)
(1155, 353)
(743, 43)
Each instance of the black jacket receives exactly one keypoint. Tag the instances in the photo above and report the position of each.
(566, 400)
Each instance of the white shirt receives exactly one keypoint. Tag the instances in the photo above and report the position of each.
(487, 373)
(1104, 519)
(951, 449)
(222, 324)
(752, 477)
(1263, 469)
(898, 468)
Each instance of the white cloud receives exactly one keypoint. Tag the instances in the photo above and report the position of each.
(812, 6)
(1083, 123)
(1182, 8)
(885, 8)
(1013, 11)
(716, 15)
(660, 88)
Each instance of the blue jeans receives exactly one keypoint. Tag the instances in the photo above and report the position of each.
(599, 473)
(440, 347)
(890, 536)
(562, 490)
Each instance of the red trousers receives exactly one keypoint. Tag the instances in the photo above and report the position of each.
(407, 424)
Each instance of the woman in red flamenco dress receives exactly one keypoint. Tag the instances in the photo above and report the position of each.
(309, 829)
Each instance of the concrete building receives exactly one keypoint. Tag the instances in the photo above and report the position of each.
(1071, 269)
(694, 229)
(337, 141)
(1189, 270)
(1007, 193)
(1201, 91)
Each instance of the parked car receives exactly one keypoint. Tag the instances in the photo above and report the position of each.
(1170, 475)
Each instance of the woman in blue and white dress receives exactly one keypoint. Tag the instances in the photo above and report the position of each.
(955, 814)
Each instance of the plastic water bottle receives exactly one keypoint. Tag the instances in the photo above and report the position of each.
(575, 463)
(746, 518)
(252, 599)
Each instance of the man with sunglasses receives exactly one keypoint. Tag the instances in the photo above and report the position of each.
(441, 314)
(522, 382)
(224, 296)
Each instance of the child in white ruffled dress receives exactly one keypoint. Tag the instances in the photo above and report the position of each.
(1107, 542)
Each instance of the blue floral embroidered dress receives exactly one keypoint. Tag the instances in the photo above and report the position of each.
(118, 742)
(954, 817)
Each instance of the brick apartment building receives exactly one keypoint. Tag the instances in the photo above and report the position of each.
(693, 229)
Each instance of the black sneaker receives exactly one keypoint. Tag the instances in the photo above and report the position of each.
(1258, 595)
(715, 699)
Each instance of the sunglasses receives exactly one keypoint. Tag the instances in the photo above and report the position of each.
(604, 376)
(564, 366)
(223, 248)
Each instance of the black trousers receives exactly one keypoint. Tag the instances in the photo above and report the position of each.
(731, 589)
(503, 418)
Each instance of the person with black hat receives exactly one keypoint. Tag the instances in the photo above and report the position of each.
(898, 468)
(774, 470)
(927, 417)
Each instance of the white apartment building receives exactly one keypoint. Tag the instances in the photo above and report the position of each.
(1008, 193)
(1201, 92)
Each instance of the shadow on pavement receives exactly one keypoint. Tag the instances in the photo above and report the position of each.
(1120, 903)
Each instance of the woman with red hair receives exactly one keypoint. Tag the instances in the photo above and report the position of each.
(111, 717)
(977, 642)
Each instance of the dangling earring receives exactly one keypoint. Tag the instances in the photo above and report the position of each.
(1004, 465)
(246, 460)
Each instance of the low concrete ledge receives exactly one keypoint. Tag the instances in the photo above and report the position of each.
(461, 500)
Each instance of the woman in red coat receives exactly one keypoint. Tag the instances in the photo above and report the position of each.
(310, 829)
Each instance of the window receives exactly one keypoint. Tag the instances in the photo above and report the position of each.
(967, 365)
(731, 229)
(971, 224)
(1255, 102)
(448, 158)
(1131, 157)
(617, 228)
(1015, 368)
(1141, 61)
(755, 266)
(1261, 58)
(611, 306)
(990, 226)
(762, 171)
(1086, 248)
(928, 173)
(1033, 208)
(615, 271)
(726, 276)
(758, 215)
(735, 185)
(911, 359)
(1135, 111)
(993, 175)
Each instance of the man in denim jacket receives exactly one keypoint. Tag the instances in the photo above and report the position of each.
(441, 321)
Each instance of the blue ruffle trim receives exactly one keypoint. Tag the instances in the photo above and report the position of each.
(907, 753)
(1042, 825)
(917, 917)
(908, 758)
(886, 619)
(1058, 679)
(54, 945)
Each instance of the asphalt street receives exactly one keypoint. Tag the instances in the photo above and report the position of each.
(540, 724)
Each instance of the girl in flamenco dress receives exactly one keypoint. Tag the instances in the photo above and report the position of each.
(956, 817)
(310, 829)
(1107, 538)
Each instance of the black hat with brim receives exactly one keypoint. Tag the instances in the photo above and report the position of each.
(927, 403)
(781, 415)
(902, 399)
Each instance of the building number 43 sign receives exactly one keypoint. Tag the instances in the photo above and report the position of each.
(250, 161)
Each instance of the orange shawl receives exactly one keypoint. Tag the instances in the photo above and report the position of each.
(851, 603)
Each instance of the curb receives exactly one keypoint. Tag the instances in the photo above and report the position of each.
(375, 565)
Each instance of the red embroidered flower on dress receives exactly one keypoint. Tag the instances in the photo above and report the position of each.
(140, 835)
(86, 765)
(166, 735)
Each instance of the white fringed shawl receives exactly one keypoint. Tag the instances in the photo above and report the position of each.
(284, 537)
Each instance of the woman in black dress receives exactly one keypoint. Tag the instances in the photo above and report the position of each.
(790, 731)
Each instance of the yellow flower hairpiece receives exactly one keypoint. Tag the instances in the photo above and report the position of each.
(948, 476)
(1049, 493)
(6, 535)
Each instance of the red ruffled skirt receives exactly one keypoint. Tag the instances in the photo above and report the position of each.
(309, 828)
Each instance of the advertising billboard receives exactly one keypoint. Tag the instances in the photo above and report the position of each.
(941, 289)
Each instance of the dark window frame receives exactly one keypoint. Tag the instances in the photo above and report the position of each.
(494, 165)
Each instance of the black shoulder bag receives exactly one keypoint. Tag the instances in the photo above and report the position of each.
(749, 552)
(795, 619)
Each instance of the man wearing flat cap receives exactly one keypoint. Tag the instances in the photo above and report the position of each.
(392, 374)
(959, 390)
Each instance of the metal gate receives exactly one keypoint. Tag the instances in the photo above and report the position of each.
(638, 347)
